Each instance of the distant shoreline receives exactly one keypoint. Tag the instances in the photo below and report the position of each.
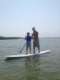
(10, 38)
(5, 38)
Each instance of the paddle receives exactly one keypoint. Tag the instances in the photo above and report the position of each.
(22, 48)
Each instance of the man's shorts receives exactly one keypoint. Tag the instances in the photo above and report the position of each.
(36, 44)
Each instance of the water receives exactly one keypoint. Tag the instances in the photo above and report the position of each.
(46, 67)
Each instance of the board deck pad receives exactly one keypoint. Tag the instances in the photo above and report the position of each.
(9, 57)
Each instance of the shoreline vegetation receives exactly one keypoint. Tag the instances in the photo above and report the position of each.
(8, 38)
(5, 38)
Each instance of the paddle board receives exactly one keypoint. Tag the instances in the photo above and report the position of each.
(10, 57)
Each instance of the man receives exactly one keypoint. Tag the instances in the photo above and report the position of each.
(35, 40)
(28, 42)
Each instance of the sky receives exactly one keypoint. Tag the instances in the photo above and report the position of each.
(17, 17)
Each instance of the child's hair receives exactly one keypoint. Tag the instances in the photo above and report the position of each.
(28, 33)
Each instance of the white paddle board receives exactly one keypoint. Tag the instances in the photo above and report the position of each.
(9, 57)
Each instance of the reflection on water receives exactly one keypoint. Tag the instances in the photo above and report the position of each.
(32, 68)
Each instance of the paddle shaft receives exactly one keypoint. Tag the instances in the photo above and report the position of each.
(22, 48)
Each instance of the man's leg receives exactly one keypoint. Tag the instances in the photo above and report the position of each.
(34, 48)
(38, 47)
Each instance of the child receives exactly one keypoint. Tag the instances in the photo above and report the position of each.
(28, 42)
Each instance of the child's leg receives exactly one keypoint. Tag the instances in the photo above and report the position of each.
(30, 48)
(26, 48)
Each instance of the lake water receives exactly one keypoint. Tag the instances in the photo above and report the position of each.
(45, 67)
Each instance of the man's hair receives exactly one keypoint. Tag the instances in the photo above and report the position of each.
(33, 28)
